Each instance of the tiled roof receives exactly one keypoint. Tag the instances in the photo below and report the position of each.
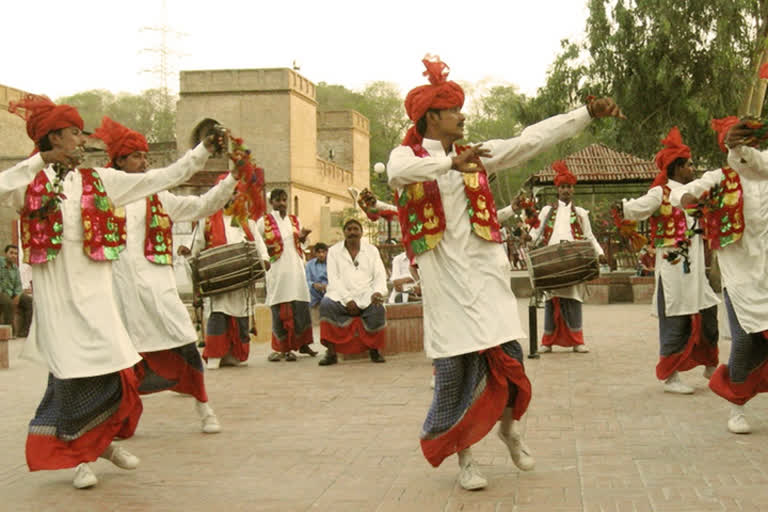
(600, 164)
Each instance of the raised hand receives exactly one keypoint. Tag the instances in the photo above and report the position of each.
(216, 140)
(469, 159)
(69, 158)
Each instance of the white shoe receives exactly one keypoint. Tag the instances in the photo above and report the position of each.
(120, 457)
(432, 383)
(470, 478)
(545, 349)
(84, 477)
(581, 349)
(519, 451)
(738, 422)
(213, 363)
(211, 424)
(708, 371)
(674, 385)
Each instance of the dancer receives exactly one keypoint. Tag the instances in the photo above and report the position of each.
(683, 299)
(70, 235)
(144, 279)
(449, 226)
(287, 292)
(558, 222)
(736, 226)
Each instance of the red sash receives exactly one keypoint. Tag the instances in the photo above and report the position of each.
(549, 225)
(158, 234)
(274, 240)
(724, 223)
(668, 224)
(215, 235)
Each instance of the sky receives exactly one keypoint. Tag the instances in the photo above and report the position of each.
(78, 45)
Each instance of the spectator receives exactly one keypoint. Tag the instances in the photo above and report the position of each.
(12, 292)
(317, 278)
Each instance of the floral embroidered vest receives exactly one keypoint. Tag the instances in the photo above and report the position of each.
(724, 223)
(158, 233)
(549, 225)
(668, 224)
(42, 222)
(274, 240)
(422, 217)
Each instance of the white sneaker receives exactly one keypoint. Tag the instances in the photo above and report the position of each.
(211, 424)
(470, 478)
(581, 349)
(675, 385)
(545, 349)
(519, 451)
(213, 363)
(84, 477)
(120, 457)
(738, 421)
(708, 371)
(432, 383)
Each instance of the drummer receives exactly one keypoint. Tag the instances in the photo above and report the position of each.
(227, 338)
(287, 291)
(683, 299)
(560, 222)
(156, 319)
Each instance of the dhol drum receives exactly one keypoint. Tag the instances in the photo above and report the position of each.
(226, 268)
(561, 265)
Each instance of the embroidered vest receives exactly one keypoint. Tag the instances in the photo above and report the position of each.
(668, 224)
(274, 240)
(422, 217)
(724, 223)
(549, 225)
(158, 233)
(42, 222)
(215, 234)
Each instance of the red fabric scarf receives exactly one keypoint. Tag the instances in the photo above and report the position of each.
(274, 239)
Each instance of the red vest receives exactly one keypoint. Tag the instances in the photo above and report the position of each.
(158, 233)
(668, 224)
(723, 222)
(549, 224)
(42, 222)
(422, 217)
(274, 240)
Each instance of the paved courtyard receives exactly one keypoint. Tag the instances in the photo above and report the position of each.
(298, 437)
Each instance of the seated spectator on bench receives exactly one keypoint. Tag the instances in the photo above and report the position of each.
(405, 287)
(12, 293)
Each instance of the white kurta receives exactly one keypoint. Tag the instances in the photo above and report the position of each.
(505, 213)
(356, 279)
(744, 264)
(237, 302)
(76, 328)
(468, 300)
(401, 268)
(684, 294)
(286, 280)
(146, 292)
(561, 230)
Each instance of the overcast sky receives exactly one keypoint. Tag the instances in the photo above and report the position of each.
(58, 48)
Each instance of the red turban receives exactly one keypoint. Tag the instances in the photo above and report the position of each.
(439, 94)
(563, 174)
(43, 116)
(673, 149)
(120, 141)
(721, 126)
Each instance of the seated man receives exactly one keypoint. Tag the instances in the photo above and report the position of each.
(352, 317)
(405, 287)
(12, 293)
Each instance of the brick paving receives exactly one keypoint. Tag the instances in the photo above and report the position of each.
(298, 437)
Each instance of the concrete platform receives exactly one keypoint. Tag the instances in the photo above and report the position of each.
(299, 437)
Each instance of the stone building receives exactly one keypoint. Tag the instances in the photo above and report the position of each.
(313, 155)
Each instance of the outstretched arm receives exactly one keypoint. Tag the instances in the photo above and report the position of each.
(189, 208)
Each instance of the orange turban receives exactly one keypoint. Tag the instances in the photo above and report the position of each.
(120, 141)
(673, 149)
(563, 174)
(440, 94)
(721, 126)
(43, 116)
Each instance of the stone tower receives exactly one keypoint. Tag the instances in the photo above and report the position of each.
(313, 155)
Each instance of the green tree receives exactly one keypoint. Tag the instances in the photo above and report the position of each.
(151, 113)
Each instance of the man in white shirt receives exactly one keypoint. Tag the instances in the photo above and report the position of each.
(404, 285)
(449, 225)
(684, 301)
(352, 315)
(737, 227)
(227, 337)
(145, 281)
(287, 291)
(564, 221)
